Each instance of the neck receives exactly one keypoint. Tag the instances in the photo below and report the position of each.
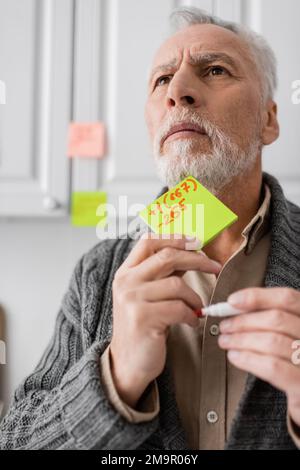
(243, 197)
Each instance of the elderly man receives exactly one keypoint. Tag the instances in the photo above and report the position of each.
(130, 365)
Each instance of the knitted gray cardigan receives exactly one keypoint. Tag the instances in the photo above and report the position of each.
(63, 405)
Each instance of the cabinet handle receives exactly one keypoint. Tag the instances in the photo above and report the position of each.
(50, 203)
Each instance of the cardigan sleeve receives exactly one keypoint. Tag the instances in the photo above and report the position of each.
(148, 405)
(63, 403)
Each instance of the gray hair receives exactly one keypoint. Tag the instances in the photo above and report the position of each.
(261, 52)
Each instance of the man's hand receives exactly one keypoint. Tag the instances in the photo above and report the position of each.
(149, 296)
(265, 340)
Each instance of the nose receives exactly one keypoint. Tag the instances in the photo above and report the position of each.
(182, 91)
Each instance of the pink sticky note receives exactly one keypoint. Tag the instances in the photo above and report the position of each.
(86, 139)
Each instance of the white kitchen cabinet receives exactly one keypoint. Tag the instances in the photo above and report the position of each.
(36, 55)
(115, 43)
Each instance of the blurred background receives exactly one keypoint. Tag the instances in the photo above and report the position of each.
(87, 61)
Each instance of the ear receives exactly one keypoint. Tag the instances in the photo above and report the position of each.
(270, 129)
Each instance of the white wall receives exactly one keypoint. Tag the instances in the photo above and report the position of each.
(37, 258)
(278, 20)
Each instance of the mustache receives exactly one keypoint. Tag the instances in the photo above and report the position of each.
(212, 131)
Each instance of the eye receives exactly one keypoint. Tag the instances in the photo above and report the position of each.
(158, 81)
(217, 70)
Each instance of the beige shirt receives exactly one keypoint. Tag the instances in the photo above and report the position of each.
(216, 390)
(208, 389)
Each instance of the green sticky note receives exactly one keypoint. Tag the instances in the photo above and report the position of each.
(188, 209)
(88, 209)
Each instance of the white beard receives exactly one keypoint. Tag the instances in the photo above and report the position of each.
(215, 169)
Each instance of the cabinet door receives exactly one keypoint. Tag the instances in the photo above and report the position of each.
(35, 64)
(115, 41)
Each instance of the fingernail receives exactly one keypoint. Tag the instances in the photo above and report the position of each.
(198, 313)
(193, 244)
(190, 238)
(233, 354)
(202, 253)
(236, 298)
(225, 325)
(176, 236)
(224, 339)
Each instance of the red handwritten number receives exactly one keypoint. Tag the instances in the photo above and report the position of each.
(186, 187)
(171, 212)
(157, 208)
(194, 184)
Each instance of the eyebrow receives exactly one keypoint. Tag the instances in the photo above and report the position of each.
(197, 58)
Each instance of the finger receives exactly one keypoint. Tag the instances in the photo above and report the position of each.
(170, 288)
(150, 243)
(279, 373)
(266, 320)
(262, 298)
(166, 261)
(170, 312)
(264, 343)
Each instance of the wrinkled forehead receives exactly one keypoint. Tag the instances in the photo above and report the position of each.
(203, 38)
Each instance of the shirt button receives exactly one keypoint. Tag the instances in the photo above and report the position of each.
(212, 417)
(214, 330)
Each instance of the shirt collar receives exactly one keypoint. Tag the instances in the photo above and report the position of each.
(260, 223)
